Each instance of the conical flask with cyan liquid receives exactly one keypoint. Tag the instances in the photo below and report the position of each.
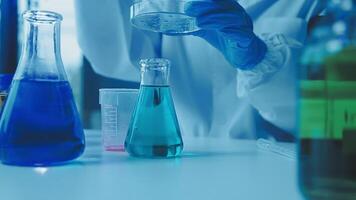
(154, 129)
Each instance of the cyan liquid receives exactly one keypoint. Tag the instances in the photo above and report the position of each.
(154, 129)
(40, 124)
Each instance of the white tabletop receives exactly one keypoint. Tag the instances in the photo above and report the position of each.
(209, 168)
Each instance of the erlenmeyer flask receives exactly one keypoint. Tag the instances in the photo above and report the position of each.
(154, 129)
(40, 123)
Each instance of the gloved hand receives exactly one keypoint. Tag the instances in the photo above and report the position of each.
(227, 26)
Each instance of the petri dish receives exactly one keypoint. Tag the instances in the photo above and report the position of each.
(163, 16)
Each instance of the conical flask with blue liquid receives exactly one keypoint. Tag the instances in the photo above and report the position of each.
(154, 129)
(40, 124)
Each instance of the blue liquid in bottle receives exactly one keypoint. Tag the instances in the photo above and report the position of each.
(154, 129)
(40, 124)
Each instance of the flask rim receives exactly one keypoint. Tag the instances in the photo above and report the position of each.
(42, 16)
(155, 63)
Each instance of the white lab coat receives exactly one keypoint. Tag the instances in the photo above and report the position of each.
(211, 97)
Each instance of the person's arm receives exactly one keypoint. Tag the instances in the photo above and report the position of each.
(272, 87)
(108, 40)
(266, 64)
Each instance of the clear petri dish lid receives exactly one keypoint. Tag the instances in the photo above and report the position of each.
(164, 16)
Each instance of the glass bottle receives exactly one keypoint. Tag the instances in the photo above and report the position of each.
(154, 129)
(327, 147)
(40, 123)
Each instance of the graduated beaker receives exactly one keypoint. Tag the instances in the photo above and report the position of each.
(117, 105)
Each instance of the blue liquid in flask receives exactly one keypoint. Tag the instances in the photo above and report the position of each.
(40, 124)
(154, 129)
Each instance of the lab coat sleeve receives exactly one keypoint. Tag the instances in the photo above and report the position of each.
(271, 87)
(108, 41)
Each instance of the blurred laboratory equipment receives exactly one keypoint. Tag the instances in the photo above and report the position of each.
(327, 149)
(164, 16)
(154, 129)
(5, 82)
(8, 45)
(40, 124)
(8, 36)
(117, 105)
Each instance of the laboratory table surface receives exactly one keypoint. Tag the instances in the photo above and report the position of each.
(209, 168)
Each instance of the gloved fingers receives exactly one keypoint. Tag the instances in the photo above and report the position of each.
(227, 26)
(222, 20)
(252, 54)
(237, 38)
(218, 14)
(198, 8)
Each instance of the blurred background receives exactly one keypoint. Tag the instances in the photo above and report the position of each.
(85, 83)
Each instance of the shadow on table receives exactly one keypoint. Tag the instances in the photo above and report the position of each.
(113, 158)
(201, 154)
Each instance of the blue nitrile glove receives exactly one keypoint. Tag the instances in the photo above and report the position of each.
(227, 26)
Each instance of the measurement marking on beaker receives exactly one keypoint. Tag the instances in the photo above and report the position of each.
(110, 120)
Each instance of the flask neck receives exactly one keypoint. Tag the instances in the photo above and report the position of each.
(42, 41)
(155, 72)
(41, 57)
